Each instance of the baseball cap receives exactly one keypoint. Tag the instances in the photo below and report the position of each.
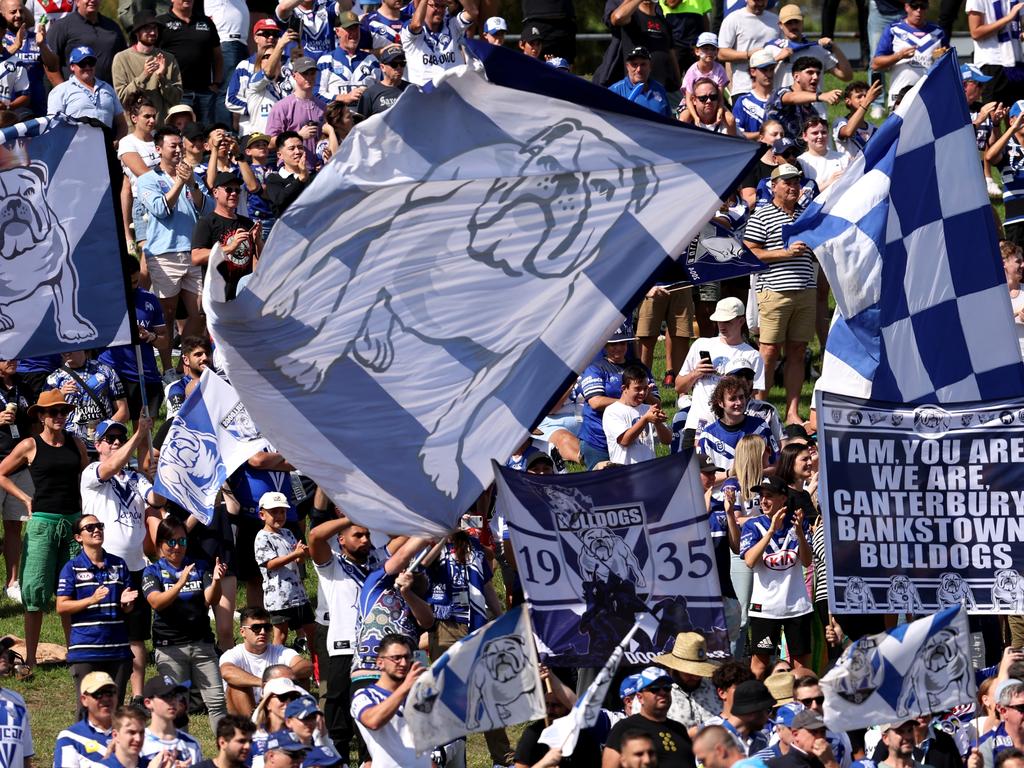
(628, 686)
(266, 25)
(745, 371)
(226, 177)
(707, 38)
(650, 676)
(391, 54)
(790, 12)
(971, 72)
(103, 426)
(195, 132)
(784, 715)
(322, 756)
(893, 726)
(807, 719)
(558, 63)
(274, 500)
(1004, 685)
(285, 740)
(494, 25)
(347, 19)
(96, 681)
(751, 696)
(530, 34)
(786, 171)
(181, 109)
(761, 59)
(1017, 108)
(728, 309)
(798, 432)
(638, 53)
(783, 145)
(253, 138)
(302, 64)
(773, 484)
(162, 686)
(623, 333)
(80, 54)
(302, 707)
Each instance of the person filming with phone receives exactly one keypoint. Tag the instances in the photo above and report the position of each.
(239, 237)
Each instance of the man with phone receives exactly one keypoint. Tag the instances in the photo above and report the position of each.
(238, 236)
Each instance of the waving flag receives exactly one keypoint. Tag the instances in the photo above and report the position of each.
(594, 549)
(435, 290)
(210, 438)
(61, 286)
(488, 679)
(915, 669)
(907, 239)
(716, 253)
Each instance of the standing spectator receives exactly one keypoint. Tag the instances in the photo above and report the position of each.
(1013, 261)
(692, 43)
(138, 155)
(638, 86)
(242, 667)
(786, 293)
(750, 109)
(166, 701)
(556, 21)
(794, 42)
(15, 425)
(144, 69)
(694, 698)
(744, 32)
(254, 166)
(810, 748)
(433, 37)
(795, 104)
(715, 747)
(180, 593)
(55, 459)
(84, 27)
(851, 133)
(382, 27)
(278, 693)
(286, 184)
(644, 26)
(192, 39)
(881, 13)
(174, 202)
(718, 441)
(495, 29)
(271, 81)
(33, 373)
(126, 736)
(1007, 154)
(346, 71)
(123, 500)
(749, 707)
(93, 389)
(196, 356)
(266, 35)
(822, 165)
(18, 735)
(299, 110)
(85, 95)
(231, 19)
(30, 53)
(234, 743)
(14, 87)
(995, 31)
(84, 744)
(95, 592)
(381, 95)
(238, 236)
(908, 47)
(314, 20)
(378, 708)
(706, 108)
(630, 425)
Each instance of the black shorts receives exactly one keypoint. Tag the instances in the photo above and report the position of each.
(133, 393)
(765, 634)
(246, 529)
(140, 619)
(296, 618)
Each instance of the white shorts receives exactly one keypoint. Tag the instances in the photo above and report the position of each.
(171, 273)
(552, 424)
(12, 507)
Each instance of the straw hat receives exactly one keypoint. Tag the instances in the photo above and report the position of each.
(689, 654)
(780, 686)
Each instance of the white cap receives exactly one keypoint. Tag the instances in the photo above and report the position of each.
(707, 38)
(728, 309)
(494, 25)
(762, 58)
(274, 500)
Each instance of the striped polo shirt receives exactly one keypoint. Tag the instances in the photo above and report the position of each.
(98, 632)
(764, 230)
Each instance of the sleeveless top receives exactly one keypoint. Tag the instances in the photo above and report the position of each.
(55, 474)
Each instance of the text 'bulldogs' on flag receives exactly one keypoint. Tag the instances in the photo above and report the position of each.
(913, 670)
(211, 436)
(488, 679)
(922, 310)
(419, 307)
(594, 549)
(61, 286)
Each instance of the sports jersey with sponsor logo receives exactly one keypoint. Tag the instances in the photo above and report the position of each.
(390, 745)
(428, 54)
(897, 38)
(339, 582)
(98, 632)
(339, 72)
(779, 590)
(718, 440)
(186, 619)
(15, 730)
(80, 746)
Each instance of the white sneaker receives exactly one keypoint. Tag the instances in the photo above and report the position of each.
(14, 592)
(876, 113)
(993, 188)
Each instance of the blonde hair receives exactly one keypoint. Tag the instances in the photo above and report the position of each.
(749, 464)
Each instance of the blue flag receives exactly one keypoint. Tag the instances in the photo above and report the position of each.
(445, 276)
(62, 285)
(908, 242)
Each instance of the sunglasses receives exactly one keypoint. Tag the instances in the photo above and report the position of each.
(119, 438)
(232, 190)
(104, 693)
(658, 689)
(172, 543)
(56, 411)
(258, 629)
(93, 527)
(286, 697)
(267, 33)
(812, 700)
(1015, 707)
(706, 99)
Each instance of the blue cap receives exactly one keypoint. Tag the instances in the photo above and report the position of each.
(285, 740)
(558, 63)
(628, 686)
(495, 24)
(81, 53)
(322, 756)
(731, 482)
(650, 676)
(971, 72)
(779, 146)
(623, 333)
(302, 707)
(784, 715)
(103, 426)
(1017, 108)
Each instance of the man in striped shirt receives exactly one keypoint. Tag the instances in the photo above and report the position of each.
(84, 744)
(786, 293)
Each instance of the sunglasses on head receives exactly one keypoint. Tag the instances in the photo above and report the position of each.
(257, 629)
(93, 527)
(180, 542)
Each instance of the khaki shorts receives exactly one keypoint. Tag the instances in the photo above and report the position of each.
(171, 273)
(675, 308)
(787, 316)
(11, 505)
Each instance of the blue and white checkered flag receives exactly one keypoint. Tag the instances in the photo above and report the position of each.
(908, 242)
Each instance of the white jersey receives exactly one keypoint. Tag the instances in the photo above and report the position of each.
(391, 745)
(183, 747)
(120, 504)
(255, 664)
(338, 584)
(1001, 48)
(618, 417)
(428, 54)
(16, 743)
(231, 18)
(725, 358)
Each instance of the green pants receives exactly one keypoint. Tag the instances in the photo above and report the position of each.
(49, 543)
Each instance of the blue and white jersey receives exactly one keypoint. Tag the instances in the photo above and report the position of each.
(808, 191)
(854, 145)
(765, 411)
(679, 422)
(183, 746)
(150, 316)
(175, 396)
(428, 54)
(377, 31)
(120, 504)
(897, 38)
(28, 58)
(779, 590)
(749, 112)
(339, 582)
(103, 381)
(13, 80)
(16, 744)
(98, 632)
(390, 745)
(248, 484)
(234, 97)
(257, 208)
(340, 72)
(650, 95)
(80, 746)
(239, 93)
(1011, 166)
(457, 589)
(718, 440)
(603, 378)
(317, 27)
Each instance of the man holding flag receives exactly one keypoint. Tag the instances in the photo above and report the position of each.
(670, 737)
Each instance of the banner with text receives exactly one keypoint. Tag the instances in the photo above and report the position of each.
(923, 505)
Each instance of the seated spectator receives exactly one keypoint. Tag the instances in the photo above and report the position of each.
(180, 592)
(750, 109)
(793, 105)
(851, 133)
(126, 738)
(643, 26)
(84, 95)
(242, 666)
(94, 391)
(795, 468)
(820, 164)
(694, 698)
(808, 694)
(706, 108)
(719, 439)
(639, 87)
(382, 95)
(166, 700)
(84, 26)
(345, 72)
(234, 743)
(984, 117)
(1013, 264)
(84, 744)
(560, 428)
(145, 70)
(672, 742)
(304, 718)
(191, 37)
(315, 21)
(432, 38)
(377, 708)
(909, 47)
(284, 750)
(707, 66)
(630, 425)
(743, 34)
(531, 43)
(794, 42)
(285, 185)
(495, 29)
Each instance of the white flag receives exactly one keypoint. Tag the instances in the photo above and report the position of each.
(489, 679)
(915, 669)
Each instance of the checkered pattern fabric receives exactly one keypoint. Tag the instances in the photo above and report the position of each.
(908, 242)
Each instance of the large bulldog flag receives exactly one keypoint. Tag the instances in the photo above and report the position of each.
(61, 285)
(435, 288)
(594, 549)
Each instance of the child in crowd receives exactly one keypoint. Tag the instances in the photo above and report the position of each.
(852, 132)
(630, 425)
(278, 555)
(706, 65)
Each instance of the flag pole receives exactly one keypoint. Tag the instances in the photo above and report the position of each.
(423, 554)
(144, 396)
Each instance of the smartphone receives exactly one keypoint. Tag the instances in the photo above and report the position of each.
(705, 357)
(295, 23)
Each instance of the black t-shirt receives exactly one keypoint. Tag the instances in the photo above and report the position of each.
(192, 43)
(653, 33)
(758, 171)
(186, 620)
(529, 750)
(214, 228)
(675, 749)
(378, 97)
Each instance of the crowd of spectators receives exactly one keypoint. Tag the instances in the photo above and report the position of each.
(222, 114)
